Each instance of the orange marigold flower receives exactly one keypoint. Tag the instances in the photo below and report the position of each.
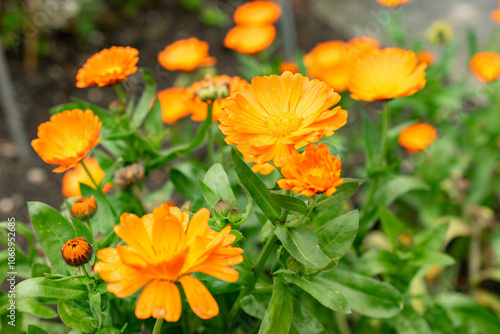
(486, 66)
(257, 13)
(71, 179)
(315, 171)
(386, 74)
(177, 103)
(264, 169)
(67, 138)
(84, 208)
(415, 138)
(289, 66)
(250, 39)
(425, 57)
(163, 249)
(108, 67)
(274, 114)
(218, 84)
(186, 55)
(329, 62)
(495, 15)
(76, 252)
(392, 3)
(362, 44)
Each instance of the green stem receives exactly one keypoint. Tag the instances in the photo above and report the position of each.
(98, 188)
(211, 139)
(119, 91)
(310, 208)
(157, 328)
(257, 270)
(84, 270)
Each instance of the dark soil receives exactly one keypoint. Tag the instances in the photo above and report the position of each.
(158, 24)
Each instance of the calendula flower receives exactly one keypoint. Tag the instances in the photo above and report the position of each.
(67, 138)
(392, 3)
(315, 171)
(215, 91)
(362, 44)
(177, 103)
(84, 208)
(257, 13)
(163, 249)
(425, 57)
(274, 114)
(386, 74)
(250, 39)
(329, 62)
(72, 178)
(108, 67)
(495, 15)
(264, 169)
(289, 66)
(186, 55)
(417, 137)
(486, 66)
(77, 252)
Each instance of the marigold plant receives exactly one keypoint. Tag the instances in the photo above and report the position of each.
(186, 55)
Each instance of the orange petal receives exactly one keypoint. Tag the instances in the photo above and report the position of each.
(160, 299)
(199, 298)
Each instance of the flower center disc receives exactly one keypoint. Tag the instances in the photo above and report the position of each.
(282, 124)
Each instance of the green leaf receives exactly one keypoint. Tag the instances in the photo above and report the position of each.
(108, 330)
(76, 318)
(216, 178)
(42, 287)
(302, 244)
(279, 313)
(255, 305)
(185, 187)
(153, 125)
(95, 307)
(410, 322)
(336, 237)
(289, 203)
(431, 239)
(391, 225)
(372, 143)
(322, 291)
(430, 258)
(344, 192)
(395, 187)
(255, 187)
(32, 329)
(34, 307)
(104, 215)
(366, 295)
(142, 108)
(210, 196)
(304, 320)
(82, 230)
(52, 230)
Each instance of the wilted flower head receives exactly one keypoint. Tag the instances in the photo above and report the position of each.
(128, 175)
(274, 114)
(77, 252)
(163, 250)
(315, 171)
(186, 55)
(108, 67)
(67, 138)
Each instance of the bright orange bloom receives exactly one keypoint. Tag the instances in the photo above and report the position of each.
(415, 138)
(257, 13)
(108, 67)
(486, 66)
(329, 62)
(289, 66)
(425, 57)
(386, 74)
(84, 208)
(315, 171)
(250, 39)
(392, 3)
(67, 138)
(360, 45)
(274, 114)
(76, 252)
(264, 169)
(218, 83)
(163, 249)
(186, 55)
(71, 179)
(177, 103)
(495, 15)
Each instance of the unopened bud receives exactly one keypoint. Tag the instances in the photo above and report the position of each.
(128, 175)
(117, 107)
(76, 252)
(84, 208)
(210, 91)
(405, 240)
(223, 208)
(233, 216)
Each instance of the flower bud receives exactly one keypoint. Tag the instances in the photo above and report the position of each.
(210, 91)
(76, 252)
(128, 175)
(84, 208)
(223, 208)
(405, 240)
(233, 216)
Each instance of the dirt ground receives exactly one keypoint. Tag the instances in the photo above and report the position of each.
(158, 24)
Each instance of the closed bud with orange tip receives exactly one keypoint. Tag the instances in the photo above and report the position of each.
(77, 252)
(84, 208)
